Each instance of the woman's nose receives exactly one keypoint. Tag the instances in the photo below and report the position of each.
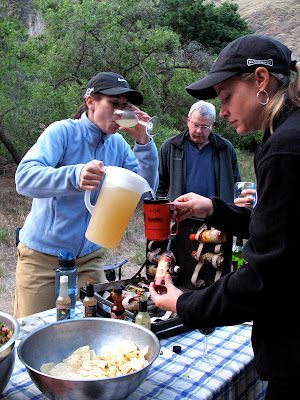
(223, 113)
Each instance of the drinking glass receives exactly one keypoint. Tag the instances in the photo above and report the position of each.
(206, 357)
(129, 119)
(246, 189)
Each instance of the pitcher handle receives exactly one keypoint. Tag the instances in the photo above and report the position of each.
(87, 201)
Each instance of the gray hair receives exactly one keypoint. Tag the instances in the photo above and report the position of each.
(204, 108)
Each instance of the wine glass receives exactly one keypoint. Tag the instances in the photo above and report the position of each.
(129, 119)
(207, 358)
(246, 190)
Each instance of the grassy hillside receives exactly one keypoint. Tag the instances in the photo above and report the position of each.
(275, 18)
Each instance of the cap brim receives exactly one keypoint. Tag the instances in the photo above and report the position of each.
(204, 88)
(133, 96)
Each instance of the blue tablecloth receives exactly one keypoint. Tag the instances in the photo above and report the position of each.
(179, 376)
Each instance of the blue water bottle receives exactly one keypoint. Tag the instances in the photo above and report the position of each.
(66, 266)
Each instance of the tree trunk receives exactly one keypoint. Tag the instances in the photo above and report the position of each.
(10, 8)
(9, 146)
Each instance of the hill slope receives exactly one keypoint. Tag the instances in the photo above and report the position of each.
(276, 18)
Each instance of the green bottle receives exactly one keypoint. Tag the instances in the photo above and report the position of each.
(237, 253)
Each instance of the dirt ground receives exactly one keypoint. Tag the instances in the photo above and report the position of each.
(13, 211)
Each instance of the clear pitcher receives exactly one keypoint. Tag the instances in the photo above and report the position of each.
(118, 197)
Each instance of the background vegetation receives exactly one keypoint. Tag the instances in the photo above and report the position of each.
(159, 46)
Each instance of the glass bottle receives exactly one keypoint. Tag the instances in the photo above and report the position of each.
(143, 318)
(166, 264)
(66, 266)
(237, 253)
(90, 301)
(118, 310)
(63, 301)
(209, 236)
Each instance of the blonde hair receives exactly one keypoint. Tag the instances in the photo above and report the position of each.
(288, 93)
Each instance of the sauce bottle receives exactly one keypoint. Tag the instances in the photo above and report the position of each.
(166, 263)
(90, 301)
(67, 266)
(209, 236)
(118, 310)
(63, 301)
(143, 318)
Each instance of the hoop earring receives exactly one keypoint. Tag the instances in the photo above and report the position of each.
(265, 93)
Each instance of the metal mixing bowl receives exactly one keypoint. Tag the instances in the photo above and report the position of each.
(58, 340)
(7, 351)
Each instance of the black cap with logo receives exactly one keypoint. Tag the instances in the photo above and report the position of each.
(244, 54)
(112, 84)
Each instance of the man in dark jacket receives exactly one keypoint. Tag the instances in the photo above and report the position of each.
(202, 162)
(198, 160)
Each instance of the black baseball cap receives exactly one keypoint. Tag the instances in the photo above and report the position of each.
(244, 54)
(111, 84)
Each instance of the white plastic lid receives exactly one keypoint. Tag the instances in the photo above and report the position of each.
(124, 178)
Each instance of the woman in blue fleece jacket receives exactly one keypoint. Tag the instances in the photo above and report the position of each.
(67, 159)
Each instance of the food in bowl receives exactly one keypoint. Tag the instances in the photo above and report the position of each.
(56, 341)
(9, 330)
(5, 333)
(84, 363)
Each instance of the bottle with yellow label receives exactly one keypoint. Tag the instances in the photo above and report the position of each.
(90, 301)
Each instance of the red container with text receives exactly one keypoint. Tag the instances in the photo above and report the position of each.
(157, 218)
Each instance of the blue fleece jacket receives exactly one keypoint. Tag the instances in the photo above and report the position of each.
(49, 173)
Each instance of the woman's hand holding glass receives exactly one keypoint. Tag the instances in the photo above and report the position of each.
(138, 124)
(245, 194)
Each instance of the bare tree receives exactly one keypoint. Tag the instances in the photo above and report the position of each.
(10, 8)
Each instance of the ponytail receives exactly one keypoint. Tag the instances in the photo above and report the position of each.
(84, 108)
(286, 96)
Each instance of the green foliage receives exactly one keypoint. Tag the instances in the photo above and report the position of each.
(4, 234)
(198, 20)
(43, 77)
(246, 165)
(248, 142)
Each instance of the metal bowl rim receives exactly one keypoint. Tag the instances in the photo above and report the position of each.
(86, 319)
(16, 328)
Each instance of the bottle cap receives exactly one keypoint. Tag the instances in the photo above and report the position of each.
(118, 290)
(66, 259)
(63, 279)
(176, 269)
(177, 349)
(90, 288)
(143, 305)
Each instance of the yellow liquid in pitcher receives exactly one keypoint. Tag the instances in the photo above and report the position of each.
(111, 215)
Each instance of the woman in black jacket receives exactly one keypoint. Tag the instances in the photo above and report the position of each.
(252, 77)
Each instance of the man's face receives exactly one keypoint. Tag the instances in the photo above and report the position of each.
(101, 112)
(199, 128)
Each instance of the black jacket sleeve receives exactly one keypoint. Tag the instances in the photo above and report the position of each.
(266, 286)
